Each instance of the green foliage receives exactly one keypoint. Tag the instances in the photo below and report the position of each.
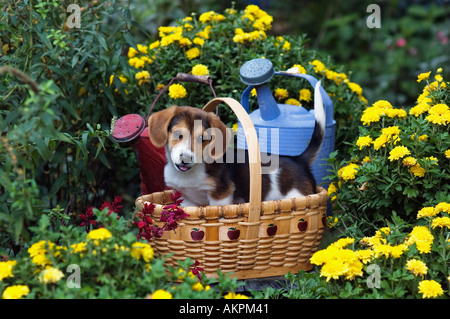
(225, 41)
(399, 162)
(104, 263)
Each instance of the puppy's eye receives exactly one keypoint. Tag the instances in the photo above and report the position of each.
(177, 135)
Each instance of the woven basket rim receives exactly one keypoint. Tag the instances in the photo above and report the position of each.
(321, 196)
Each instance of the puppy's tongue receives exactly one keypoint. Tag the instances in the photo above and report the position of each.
(183, 168)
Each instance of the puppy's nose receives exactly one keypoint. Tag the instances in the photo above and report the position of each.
(186, 158)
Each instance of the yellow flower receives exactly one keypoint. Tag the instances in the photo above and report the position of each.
(422, 237)
(200, 69)
(161, 294)
(210, 16)
(409, 161)
(235, 127)
(423, 76)
(319, 67)
(418, 170)
(143, 250)
(305, 95)
(205, 32)
(442, 207)
(343, 242)
(15, 292)
(441, 222)
(281, 94)
(371, 115)
(192, 53)
(177, 91)
(79, 248)
(416, 267)
(132, 52)
(382, 104)
(447, 153)
(154, 45)
(198, 41)
(354, 87)
(430, 289)
(332, 190)
(142, 48)
(363, 141)
(233, 295)
(420, 108)
(365, 256)
(143, 77)
(50, 275)
(426, 212)
(6, 268)
(292, 101)
(136, 62)
(380, 142)
(197, 286)
(38, 251)
(348, 172)
(398, 152)
(99, 234)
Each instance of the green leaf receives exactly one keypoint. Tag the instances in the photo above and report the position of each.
(59, 182)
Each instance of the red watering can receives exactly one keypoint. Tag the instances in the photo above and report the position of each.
(132, 128)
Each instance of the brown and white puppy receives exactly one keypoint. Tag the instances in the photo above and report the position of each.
(196, 144)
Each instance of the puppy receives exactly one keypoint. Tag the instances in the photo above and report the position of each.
(196, 144)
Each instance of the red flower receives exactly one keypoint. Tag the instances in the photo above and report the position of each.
(88, 219)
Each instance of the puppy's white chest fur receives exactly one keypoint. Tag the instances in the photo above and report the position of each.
(192, 184)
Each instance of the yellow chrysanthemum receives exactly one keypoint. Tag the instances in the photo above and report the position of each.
(292, 101)
(348, 172)
(161, 294)
(319, 67)
(447, 153)
(354, 87)
(305, 95)
(364, 141)
(331, 191)
(50, 275)
(15, 292)
(233, 295)
(430, 289)
(416, 267)
(441, 222)
(398, 152)
(409, 161)
(426, 212)
(423, 76)
(143, 250)
(6, 269)
(281, 93)
(422, 237)
(442, 207)
(371, 115)
(419, 109)
(99, 234)
(192, 53)
(177, 91)
(200, 69)
(418, 170)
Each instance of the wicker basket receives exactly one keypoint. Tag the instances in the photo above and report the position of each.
(255, 239)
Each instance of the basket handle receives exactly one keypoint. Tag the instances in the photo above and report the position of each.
(254, 158)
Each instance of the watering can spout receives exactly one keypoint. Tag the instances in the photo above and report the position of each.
(256, 73)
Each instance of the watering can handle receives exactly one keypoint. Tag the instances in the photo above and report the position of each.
(328, 104)
(185, 77)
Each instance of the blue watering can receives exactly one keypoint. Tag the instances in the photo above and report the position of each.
(284, 129)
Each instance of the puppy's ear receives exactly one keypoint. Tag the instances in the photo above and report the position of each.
(158, 123)
(220, 138)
